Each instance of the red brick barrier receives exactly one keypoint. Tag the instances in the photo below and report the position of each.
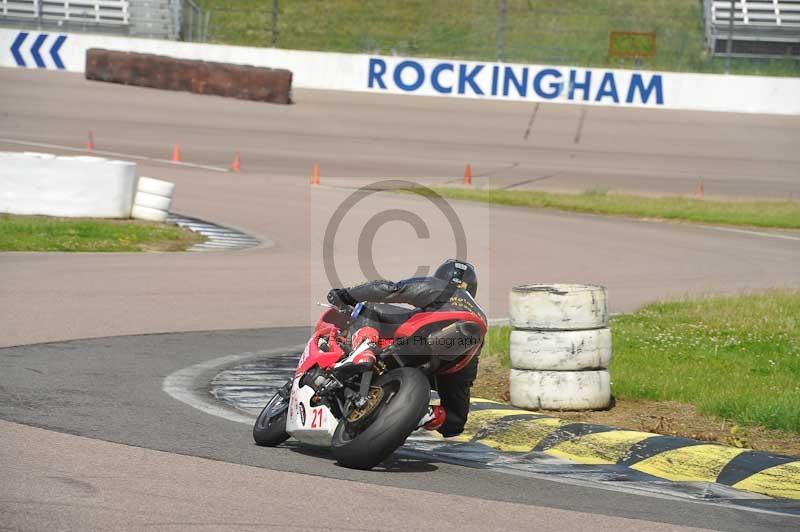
(161, 72)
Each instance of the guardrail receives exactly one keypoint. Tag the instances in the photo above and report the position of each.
(113, 12)
(756, 12)
(160, 19)
(194, 23)
(753, 28)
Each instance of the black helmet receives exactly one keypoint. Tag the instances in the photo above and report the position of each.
(460, 272)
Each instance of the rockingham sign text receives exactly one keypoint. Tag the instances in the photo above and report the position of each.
(534, 83)
(446, 78)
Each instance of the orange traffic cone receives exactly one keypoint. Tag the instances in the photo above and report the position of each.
(700, 189)
(237, 164)
(315, 174)
(468, 175)
(90, 142)
(176, 153)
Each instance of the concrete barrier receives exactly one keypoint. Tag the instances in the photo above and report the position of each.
(201, 77)
(445, 78)
(82, 186)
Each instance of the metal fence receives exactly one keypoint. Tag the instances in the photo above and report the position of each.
(575, 32)
(752, 28)
(140, 18)
(80, 15)
(653, 34)
(194, 24)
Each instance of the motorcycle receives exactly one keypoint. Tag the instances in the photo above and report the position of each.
(363, 401)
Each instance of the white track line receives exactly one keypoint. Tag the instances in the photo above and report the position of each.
(750, 232)
(113, 154)
(182, 384)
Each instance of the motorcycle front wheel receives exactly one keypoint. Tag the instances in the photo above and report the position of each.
(270, 427)
(364, 440)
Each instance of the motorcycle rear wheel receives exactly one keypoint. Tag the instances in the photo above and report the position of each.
(270, 427)
(405, 398)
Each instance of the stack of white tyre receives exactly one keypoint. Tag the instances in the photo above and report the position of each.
(560, 347)
(153, 199)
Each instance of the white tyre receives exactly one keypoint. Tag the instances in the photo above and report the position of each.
(560, 390)
(565, 307)
(561, 350)
(145, 199)
(147, 213)
(156, 186)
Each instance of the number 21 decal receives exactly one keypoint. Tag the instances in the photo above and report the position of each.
(316, 418)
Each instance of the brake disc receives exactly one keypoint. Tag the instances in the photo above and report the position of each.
(360, 415)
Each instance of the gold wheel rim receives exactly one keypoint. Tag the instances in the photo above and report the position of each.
(373, 400)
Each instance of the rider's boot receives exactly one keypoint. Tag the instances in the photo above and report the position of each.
(360, 359)
(433, 418)
(364, 334)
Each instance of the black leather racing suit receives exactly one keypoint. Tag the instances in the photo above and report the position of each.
(431, 294)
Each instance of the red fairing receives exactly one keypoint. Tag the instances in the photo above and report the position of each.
(422, 319)
(327, 327)
(312, 354)
(417, 321)
(330, 317)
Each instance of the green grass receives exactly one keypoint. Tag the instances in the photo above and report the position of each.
(497, 344)
(39, 233)
(733, 357)
(569, 32)
(754, 213)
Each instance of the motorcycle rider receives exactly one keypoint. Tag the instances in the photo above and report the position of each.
(451, 288)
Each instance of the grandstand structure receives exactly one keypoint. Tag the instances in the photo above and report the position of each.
(159, 19)
(755, 28)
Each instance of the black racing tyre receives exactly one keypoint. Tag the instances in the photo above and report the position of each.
(406, 394)
(270, 427)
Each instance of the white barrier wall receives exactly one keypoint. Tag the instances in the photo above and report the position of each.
(83, 186)
(436, 77)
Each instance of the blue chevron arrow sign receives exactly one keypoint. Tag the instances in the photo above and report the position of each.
(36, 49)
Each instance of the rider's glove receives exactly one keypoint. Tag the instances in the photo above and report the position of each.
(340, 298)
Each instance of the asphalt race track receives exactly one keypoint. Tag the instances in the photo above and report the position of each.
(110, 389)
(91, 392)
